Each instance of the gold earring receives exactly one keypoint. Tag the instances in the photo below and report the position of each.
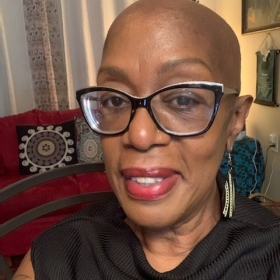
(229, 191)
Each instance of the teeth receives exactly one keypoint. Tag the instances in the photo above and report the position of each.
(146, 181)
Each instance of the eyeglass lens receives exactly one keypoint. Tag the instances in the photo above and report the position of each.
(178, 110)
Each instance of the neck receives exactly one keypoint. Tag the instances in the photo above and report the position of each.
(166, 248)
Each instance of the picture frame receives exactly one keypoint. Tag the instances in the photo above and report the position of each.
(267, 86)
(260, 15)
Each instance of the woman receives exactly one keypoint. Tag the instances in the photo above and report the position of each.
(167, 107)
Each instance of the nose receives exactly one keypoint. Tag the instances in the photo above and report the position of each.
(143, 133)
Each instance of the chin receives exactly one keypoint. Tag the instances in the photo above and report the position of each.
(153, 217)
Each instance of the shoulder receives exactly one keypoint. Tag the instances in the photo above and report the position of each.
(248, 240)
(80, 239)
(248, 212)
(255, 229)
(253, 213)
(90, 222)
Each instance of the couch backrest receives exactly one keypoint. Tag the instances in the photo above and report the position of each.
(9, 151)
(55, 117)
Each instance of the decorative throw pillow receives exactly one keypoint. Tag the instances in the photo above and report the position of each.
(88, 143)
(45, 147)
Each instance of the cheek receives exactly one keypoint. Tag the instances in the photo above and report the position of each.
(204, 153)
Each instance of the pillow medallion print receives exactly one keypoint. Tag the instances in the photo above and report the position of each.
(44, 147)
(88, 143)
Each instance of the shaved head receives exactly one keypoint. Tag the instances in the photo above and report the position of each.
(187, 21)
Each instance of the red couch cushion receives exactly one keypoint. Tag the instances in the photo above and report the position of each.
(93, 182)
(19, 241)
(3, 168)
(56, 117)
(39, 195)
(10, 178)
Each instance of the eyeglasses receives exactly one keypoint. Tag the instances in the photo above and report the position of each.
(184, 109)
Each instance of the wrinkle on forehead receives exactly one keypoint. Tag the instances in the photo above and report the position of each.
(115, 73)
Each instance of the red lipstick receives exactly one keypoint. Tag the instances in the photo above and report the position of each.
(149, 184)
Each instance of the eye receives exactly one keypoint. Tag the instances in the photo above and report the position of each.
(112, 101)
(182, 99)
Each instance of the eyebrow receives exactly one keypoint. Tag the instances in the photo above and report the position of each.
(118, 74)
(172, 64)
(114, 72)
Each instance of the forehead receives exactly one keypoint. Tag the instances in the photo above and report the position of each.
(157, 51)
(153, 46)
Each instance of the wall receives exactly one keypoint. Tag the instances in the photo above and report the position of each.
(262, 120)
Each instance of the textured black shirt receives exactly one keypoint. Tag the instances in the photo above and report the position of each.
(96, 243)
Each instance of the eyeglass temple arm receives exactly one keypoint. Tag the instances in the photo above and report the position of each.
(230, 91)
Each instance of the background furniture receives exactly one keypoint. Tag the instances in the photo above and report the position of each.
(266, 201)
(36, 181)
(248, 166)
(18, 242)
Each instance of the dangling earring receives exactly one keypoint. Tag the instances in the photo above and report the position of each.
(229, 191)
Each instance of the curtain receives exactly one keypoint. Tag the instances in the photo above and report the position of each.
(65, 40)
(85, 25)
(46, 55)
(49, 49)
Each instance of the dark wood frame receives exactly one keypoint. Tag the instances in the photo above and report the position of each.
(247, 4)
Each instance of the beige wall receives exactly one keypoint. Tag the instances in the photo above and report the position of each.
(262, 120)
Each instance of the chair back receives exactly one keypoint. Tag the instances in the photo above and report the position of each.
(32, 214)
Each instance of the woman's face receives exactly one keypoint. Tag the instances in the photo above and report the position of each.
(161, 180)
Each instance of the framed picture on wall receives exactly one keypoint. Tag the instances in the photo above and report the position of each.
(259, 15)
(268, 78)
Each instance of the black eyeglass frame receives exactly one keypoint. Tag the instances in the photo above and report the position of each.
(144, 102)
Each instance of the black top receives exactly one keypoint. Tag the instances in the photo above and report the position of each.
(96, 243)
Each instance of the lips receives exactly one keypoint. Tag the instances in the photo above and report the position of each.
(149, 184)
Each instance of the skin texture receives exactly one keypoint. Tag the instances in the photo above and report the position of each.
(153, 44)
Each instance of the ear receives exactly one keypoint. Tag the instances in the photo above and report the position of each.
(241, 111)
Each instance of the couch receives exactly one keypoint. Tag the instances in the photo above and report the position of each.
(34, 142)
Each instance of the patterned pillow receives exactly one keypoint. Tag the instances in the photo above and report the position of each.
(45, 147)
(248, 168)
(88, 143)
